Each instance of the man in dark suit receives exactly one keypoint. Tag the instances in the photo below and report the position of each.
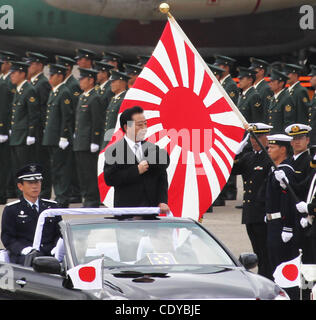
(136, 169)
(87, 138)
(254, 167)
(19, 218)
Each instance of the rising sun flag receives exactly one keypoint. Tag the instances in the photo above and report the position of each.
(190, 115)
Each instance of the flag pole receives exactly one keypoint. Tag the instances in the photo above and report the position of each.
(165, 9)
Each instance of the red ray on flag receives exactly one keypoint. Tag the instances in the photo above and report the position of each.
(191, 116)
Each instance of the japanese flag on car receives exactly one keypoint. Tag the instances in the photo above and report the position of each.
(287, 274)
(87, 276)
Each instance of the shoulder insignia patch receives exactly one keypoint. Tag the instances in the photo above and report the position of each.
(232, 94)
(257, 104)
(76, 93)
(32, 99)
(305, 100)
(288, 108)
(13, 202)
(67, 101)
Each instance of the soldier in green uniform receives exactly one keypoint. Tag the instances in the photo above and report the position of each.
(87, 137)
(281, 112)
(312, 107)
(226, 80)
(112, 58)
(85, 58)
(57, 133)
(7, 90)
(299, 94)
(104, 84)
(262, 86)
(249, 102)
(230, 190)
(118, 87)
(36, 62)
(73, 85)
(217, 71)
(25, 118)
(133, 72)
(142, 60)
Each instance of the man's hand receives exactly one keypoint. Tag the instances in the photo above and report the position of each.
(164, 208)
(3, 138)
(304, 222)
(30, 140)
(243, 144)
(26, 250)
(281, 176)
(63, 143)
(143, 166)
(286, 236)
(302, 207)
(94, 147)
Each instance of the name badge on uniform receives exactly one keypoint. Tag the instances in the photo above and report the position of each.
(84, 106)
(258, 168)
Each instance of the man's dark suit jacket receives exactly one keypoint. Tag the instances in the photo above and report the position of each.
(132, 189)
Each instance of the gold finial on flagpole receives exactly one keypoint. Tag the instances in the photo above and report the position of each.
(164, 8)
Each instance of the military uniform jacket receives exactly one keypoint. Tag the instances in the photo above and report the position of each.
(132, 189)
(280, 200)
(281, 112)
(266, 95)
(89, 122)
(73, 85)
(106, 95)
(43, 88)
(25, 117)
(300, 97)
(7, 91)
(231, 88)
(254, 168)
(18, 226)
(312, 120)
(58, 118)
(249, 104)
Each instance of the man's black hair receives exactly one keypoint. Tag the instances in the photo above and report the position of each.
(127, 115)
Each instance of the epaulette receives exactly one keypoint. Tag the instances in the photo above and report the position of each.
(13, 202)
(313, 165)
(51, 201)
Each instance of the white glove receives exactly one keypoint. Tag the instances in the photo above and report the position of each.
(314, 159)
(94, 147)
(59, 251)
(286, 236)
(63, 143)
(30, 140)
(26, 250)
(3, 138)
(280, 176)
(304, 222)
(242, 144)
(302, 207)
(265, 219)
(10, 131)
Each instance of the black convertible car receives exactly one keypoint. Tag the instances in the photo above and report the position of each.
(144, 256)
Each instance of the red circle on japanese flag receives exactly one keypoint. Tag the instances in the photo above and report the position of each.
(290, 272)
(87, 274)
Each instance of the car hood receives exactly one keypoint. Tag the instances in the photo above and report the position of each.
(224, 283)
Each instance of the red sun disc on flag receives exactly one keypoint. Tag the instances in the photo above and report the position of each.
(189, 114)
(87, 274)
(290, 272)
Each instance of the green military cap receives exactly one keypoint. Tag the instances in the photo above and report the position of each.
(142, 59)
(8, 56)
(313, 70)
(102, 66)
(223, 60)
(276, 65)
(278, 75)
(292, 68)
(215, 69)
(116, 75)
(258, 63)
(36, 57)
(132, 69)
(297, 129)
(246, 72)
(19, 66)
(84, 53)
(57, 69)
(279, 139)
(111, 56)
(260, 128)
(65, 61)
(90, 73)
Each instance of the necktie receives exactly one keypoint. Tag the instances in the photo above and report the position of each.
(138, 152)
(34, 207)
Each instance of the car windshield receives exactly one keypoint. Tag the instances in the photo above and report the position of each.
(135, 243)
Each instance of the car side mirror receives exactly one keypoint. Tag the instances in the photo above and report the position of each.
(46, 265)
(248, 260)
